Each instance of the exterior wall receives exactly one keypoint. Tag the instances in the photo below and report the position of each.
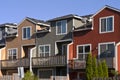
(17, 42)
(118, 57)
(94, 37)
(77, 23)
(3, 53)
(51, 37)
(71, 51)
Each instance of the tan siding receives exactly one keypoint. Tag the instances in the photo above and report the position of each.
(3, 54)
(77, 23)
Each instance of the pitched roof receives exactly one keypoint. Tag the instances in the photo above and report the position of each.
(8, 25)
(36, 21)
(65, 17)
(109, 7)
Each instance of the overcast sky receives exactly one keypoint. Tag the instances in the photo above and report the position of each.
(14, 11)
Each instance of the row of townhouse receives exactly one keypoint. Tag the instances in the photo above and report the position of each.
(57, 48)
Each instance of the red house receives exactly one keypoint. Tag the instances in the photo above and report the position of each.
(101, 37)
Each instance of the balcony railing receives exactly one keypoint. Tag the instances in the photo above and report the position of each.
(49, 61)
(15, 63)
(109, 61)
(81, 64)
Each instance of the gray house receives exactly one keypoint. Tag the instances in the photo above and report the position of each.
(52, 43)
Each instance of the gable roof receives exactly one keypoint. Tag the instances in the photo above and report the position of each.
(65, 17)
(106, 6)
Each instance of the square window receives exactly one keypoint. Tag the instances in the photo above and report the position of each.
(12, 54)
(61, 27)
(106, 24)
(44, 50)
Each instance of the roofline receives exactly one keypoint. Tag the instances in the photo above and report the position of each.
(74, 16)
(106, 6)
(43, 24)
(82, 29)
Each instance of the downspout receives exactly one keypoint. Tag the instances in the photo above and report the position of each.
(68, 60)
(116, 56)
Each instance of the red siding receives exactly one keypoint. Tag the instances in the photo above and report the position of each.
(94, 37)
(118, 57)
(71, 51)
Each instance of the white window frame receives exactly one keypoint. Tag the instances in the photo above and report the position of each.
(12, 52)
(61, 28)
(44, 46)
(23, 32)
(106, 23)
(84, 50)
(102, 44)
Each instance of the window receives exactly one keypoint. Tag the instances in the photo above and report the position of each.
(26, 33)
(44, 50)
(106, 49)
(83, 50)
(106, 24)
(12, 54)
(61, 27)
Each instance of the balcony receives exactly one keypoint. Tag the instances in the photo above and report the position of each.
(109, 61)
(15, 63)
(81, 64)
(49, 61)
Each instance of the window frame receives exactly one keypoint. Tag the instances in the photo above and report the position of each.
(84, 48)
(106, 24)
(106, 43)
(11, 49)
(44, 50)
(61, 28)
(26, 32)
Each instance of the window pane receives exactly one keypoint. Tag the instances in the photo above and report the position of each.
(103, 25)
(28, 33)
(109, 24)
(14, 52)
(41, 49)
(24, 32)
(87, 49)
(58, 27)
(103, 49)
(64, 26)
(111, 49)
(46, 48)
(80, 49)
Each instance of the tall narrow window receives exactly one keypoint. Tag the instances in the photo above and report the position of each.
(44, 50)
(61, 27)
(106, 24)
(26, 33)
(12, 54)
(83, 50)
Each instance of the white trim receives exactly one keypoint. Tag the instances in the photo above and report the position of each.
(103, 43)
(83, 45)
(30, 32)
(43, 24)
(44, 46)
(12, 52)
(106, 24)
(61, 26)
(104, 8)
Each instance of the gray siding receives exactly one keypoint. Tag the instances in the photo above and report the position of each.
(51, 37)
(2, 38)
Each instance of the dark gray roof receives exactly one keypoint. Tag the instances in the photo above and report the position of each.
(36, 21)
(8, 24)
(65, 17)
(87, 16)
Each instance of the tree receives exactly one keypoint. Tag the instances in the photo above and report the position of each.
(89, 71)
(29, 76)
(105, 69)
(100, 71)
(94, 67)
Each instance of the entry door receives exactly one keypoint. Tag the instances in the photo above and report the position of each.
(64, 49)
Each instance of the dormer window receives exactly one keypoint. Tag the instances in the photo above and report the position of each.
(61, 27)
(26, 32)
(106, 24)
